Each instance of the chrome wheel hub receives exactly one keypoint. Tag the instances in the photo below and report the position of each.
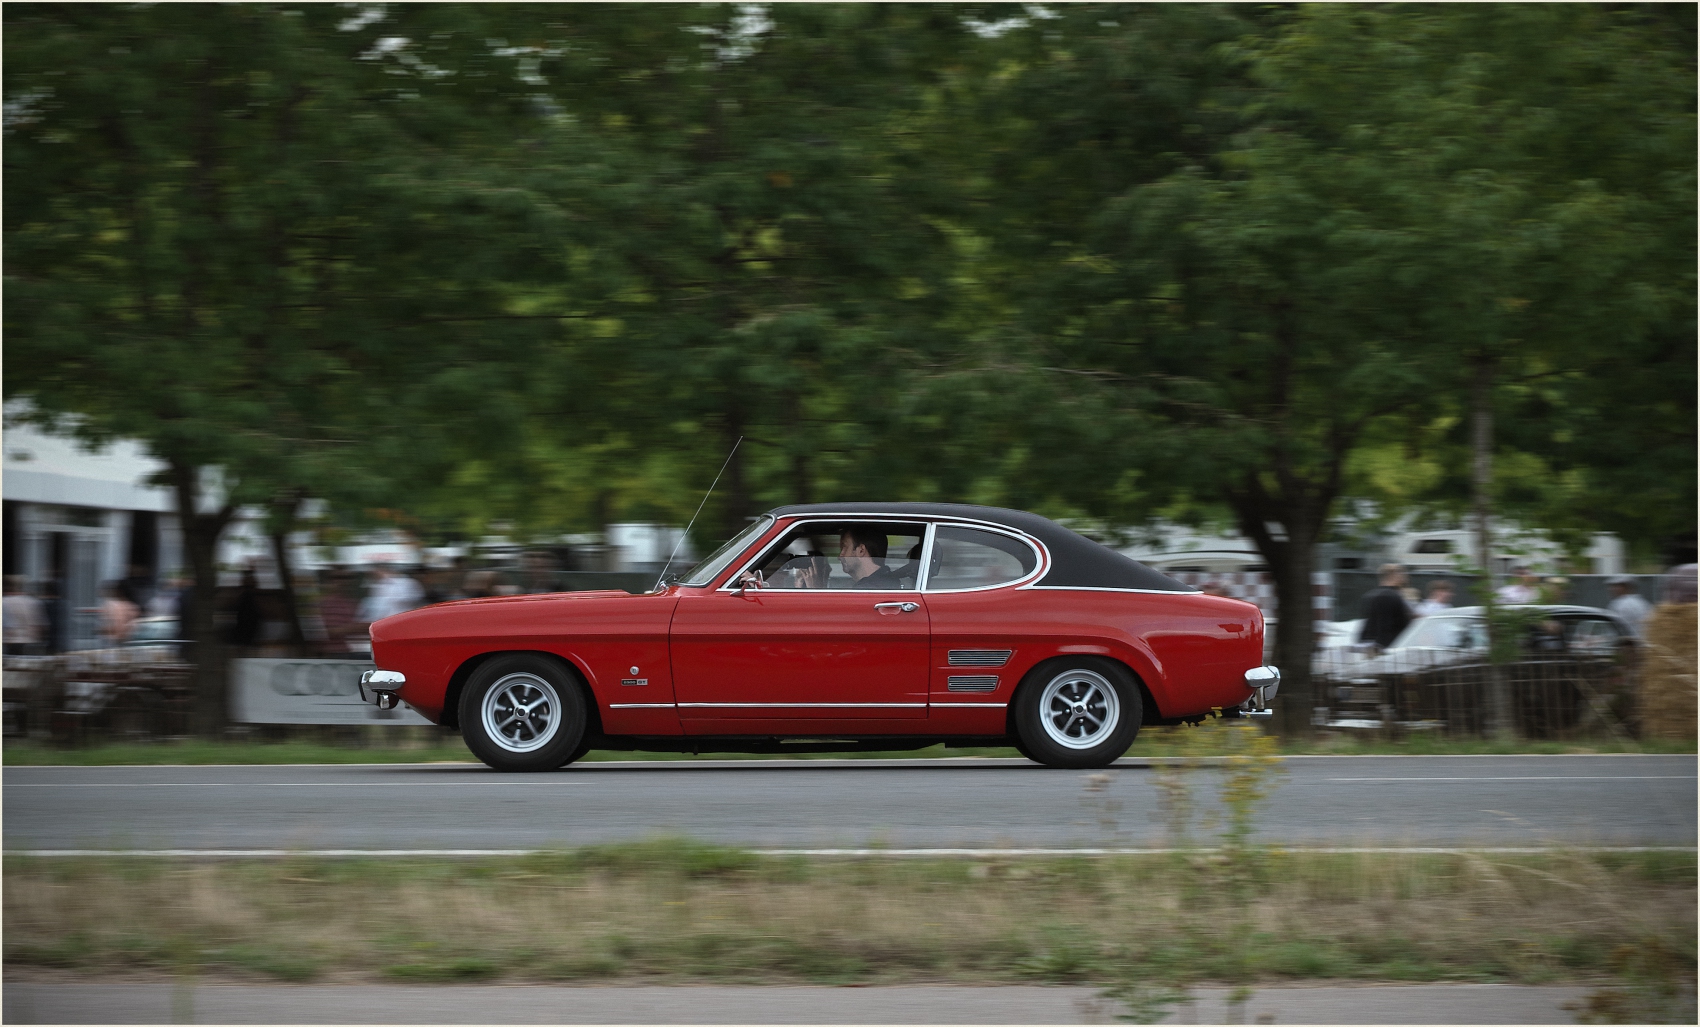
(521, 712)
(1079, 709)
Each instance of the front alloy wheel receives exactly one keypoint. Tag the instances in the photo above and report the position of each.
(1078, 712)
(523, 712)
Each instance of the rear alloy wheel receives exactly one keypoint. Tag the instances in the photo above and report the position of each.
(1078, 712)
(522, 713)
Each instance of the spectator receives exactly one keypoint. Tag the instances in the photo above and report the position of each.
(389, 594)
(1385, 612)
(537, 572)
(138, 587)
(439, 586)
(168, 601)
(26, 619)
(1439, 598)
(337, 611)
(53, 601)
(1627, 603)
(246, 630)
(117, 615)
(1680, 585)
(479, 584)
(1526, 589)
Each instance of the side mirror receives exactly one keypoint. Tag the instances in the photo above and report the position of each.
(748, 580)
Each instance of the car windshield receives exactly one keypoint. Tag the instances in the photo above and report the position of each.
(1443, 633)
(705, 572)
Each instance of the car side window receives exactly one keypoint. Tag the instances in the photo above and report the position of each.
(1593, 634)
(844, 555)
(971, 558)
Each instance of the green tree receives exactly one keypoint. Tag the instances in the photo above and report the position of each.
(237, 234)
(1358, 212)
(756, 262)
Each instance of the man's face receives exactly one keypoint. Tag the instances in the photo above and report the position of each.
(853, 557)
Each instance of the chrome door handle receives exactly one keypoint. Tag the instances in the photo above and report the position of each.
(891, 608)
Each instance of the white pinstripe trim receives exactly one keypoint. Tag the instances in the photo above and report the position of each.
(763, 705)
(1188, 591)
(835, 705)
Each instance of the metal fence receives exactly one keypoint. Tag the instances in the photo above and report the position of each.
(1549, 696)
(113, 694)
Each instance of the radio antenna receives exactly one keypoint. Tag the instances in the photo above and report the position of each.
(669, 564)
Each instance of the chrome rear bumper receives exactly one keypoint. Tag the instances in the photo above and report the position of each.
(1264, 682)
(379, 687)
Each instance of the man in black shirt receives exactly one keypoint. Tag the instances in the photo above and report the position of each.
(1385, 612)
(861, 552)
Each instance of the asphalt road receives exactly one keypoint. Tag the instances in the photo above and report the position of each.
(81, 1002)
(1456, 801)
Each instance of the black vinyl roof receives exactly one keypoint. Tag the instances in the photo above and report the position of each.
(1076, 561)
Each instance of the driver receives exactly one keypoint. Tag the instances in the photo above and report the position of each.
(861, 552)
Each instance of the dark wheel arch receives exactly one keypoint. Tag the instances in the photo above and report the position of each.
(457, 685)
(1052, 711)
(1153, 716)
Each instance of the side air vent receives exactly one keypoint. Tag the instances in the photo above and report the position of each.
(980, 657)
(971, 683)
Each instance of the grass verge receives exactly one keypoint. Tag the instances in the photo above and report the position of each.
(677, 911)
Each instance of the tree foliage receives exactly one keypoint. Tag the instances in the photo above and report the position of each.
(543, 265)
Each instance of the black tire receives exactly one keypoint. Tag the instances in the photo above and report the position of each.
(523, 712)
(1021, 747)
(1078, 712)
(578, 752)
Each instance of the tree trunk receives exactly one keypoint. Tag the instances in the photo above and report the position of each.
(1295, 632)
(1290, 562)
(201, 533)
(1500, 722)
(283, 522)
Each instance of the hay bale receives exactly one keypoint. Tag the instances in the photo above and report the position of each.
(1668, 706)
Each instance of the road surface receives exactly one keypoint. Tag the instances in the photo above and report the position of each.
(80, 1002)
(1336, 801)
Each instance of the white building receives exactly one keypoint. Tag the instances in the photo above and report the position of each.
(78, 518)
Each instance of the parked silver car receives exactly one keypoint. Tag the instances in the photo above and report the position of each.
(1569, 674)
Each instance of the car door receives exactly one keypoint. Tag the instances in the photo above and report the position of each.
(757, 657)
(979, 619)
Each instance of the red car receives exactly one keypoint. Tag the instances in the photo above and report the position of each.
(839, 626)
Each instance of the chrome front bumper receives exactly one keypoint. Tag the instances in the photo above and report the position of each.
(379, 687)
(1264, 682)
